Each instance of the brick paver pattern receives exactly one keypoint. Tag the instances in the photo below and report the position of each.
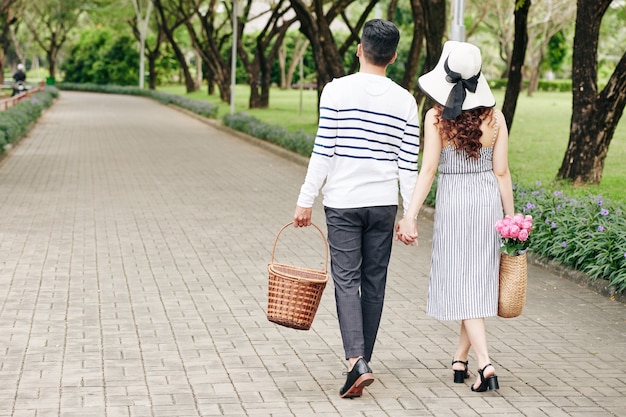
(133, 282)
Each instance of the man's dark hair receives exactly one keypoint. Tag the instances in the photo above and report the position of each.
(379, 41)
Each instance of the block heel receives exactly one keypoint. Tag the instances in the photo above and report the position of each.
(489, 383)
(460, 376)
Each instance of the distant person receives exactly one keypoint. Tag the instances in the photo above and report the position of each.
(19, 78)
(365, 150)
(466, 140)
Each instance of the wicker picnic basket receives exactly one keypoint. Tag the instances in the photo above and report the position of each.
(294, 293)
(513, 281)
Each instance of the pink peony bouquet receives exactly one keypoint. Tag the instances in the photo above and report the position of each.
(515, 232)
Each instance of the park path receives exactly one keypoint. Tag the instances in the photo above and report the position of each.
(135, 241)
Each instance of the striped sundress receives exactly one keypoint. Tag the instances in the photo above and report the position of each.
(465, 250)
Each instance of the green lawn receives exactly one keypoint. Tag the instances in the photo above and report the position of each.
(537, 141)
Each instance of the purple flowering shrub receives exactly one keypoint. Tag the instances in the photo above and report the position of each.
(587, 234)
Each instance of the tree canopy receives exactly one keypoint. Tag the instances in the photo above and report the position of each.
(190, 41)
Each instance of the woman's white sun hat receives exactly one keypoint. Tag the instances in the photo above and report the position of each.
(457, 82)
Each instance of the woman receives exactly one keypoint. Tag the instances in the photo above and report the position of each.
(466, 139)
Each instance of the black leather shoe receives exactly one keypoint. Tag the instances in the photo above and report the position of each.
(360, 376)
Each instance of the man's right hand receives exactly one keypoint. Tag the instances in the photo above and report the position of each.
(302, 216)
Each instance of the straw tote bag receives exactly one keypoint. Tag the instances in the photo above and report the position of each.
(513, 282)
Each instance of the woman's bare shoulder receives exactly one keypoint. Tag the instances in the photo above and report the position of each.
(431, 116)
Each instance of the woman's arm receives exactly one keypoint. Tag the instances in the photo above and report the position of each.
(406, 229)
(501, 165)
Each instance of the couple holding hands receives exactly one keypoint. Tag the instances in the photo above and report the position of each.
(366, 147)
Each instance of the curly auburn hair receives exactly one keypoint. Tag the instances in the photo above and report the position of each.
(464, 132)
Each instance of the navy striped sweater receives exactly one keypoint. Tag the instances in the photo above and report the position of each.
(366, 146)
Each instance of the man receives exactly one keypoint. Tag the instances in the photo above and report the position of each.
(367, 143)
(19, 78)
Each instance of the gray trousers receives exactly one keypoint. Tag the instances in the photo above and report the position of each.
(360, 242)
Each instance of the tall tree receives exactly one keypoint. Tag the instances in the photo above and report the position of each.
(267, 43)
(50, 22)
(498, 17)
(152, 46)
(315, 24)
(209, 37)
(142, 20)
(300, 44)
(170, 16)
(435, 27)
(595, 114)
(514, 84)
(545, 19)
(410, 73)
(9, 11)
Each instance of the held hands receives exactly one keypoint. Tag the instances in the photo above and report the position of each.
(406, 231)
(302, 217)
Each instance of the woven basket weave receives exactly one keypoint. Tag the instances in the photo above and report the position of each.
(294, 293)
(513, 281)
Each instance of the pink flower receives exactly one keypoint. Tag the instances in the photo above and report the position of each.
(515, 233)
(523, 235)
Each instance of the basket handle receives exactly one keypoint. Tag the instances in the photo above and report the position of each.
(321, 234)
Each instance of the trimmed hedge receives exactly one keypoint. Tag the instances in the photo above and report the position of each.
(543, 85)
(298, 142)
(16, 120)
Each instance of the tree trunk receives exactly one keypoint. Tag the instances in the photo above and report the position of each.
(391, 10)
(254, 75)
(409, 78)
(282, 65)
(4, 45)
(266, 52)
(210, 79)
(190, 84)
(52, 62)
(2, 66)
(535, 73)
(266, 81)
(435, 26)
(298, 52)
(278, 37)
(514, 84)
(207, 41)
(152, 75)
(9, 12)
(594, 116)
(168, 31)
(315, 25)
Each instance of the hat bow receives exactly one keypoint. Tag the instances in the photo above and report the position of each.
(457, 95)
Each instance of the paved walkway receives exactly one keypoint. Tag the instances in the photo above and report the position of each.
(135, 241)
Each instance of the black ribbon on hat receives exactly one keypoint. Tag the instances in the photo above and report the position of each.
(457, 95)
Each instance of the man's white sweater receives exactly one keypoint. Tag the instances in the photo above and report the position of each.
(367, 143)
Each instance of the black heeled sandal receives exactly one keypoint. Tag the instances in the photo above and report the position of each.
(460, 376)
(486, 383)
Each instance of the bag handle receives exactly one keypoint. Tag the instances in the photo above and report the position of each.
(321, 234)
